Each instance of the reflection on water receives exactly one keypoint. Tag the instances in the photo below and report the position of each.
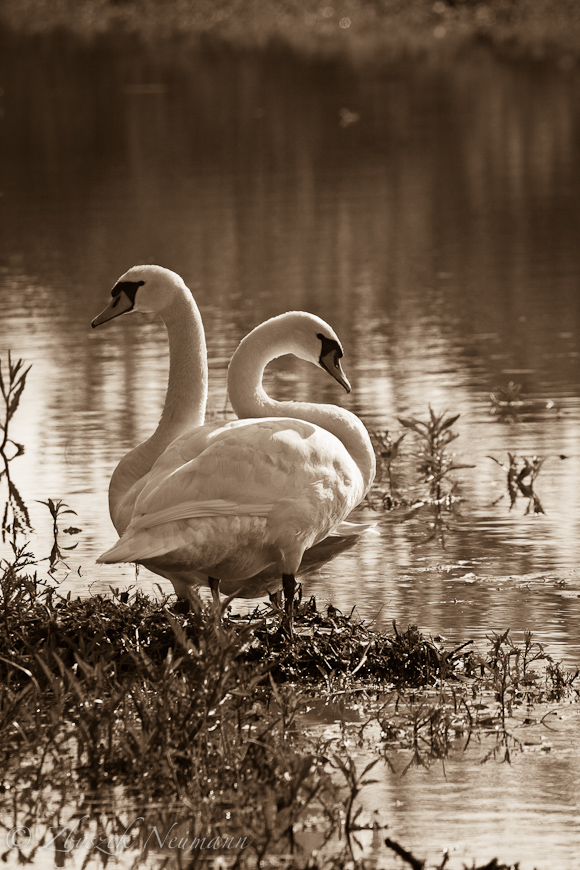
(489, 809)
(429, 211)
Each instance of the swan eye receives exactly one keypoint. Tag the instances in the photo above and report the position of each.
(123, 300)
(129, 288)
(330, 346)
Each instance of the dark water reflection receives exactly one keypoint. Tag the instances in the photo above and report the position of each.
(428, 210)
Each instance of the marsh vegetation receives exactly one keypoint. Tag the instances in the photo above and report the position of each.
(127, 726)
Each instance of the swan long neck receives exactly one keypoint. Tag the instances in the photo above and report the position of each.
(185, 400)
(249, 399)
(245, 375)
(186, 397)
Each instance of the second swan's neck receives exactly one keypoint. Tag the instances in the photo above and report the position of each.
(249, 399)
(185, 400)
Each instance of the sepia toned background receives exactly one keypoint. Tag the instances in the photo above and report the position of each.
(428, 209)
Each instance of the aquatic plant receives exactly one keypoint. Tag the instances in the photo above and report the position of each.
(506, 399)
(57, 509)
(355, 783)
(521, 474)
(498, 682)
(119, 692)
(341, 650)
(435, 463)
(15, 517)
(508, 671)
(423, 725)
(386, 448)
(508, 403)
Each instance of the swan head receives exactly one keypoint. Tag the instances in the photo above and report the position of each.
(143, 288)
(304, 335)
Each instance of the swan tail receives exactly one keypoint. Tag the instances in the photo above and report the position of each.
(342, 538)
(134, 548)
(348, 530)
(201, 542)
(156, 534)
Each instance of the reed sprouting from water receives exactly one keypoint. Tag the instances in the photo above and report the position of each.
(521, 474)
(15, 517)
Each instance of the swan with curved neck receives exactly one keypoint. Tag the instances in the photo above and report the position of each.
(241, 502)
(296, 333)
(160, 291)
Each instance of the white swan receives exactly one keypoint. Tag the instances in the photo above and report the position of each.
(240, 503)
(158, 290)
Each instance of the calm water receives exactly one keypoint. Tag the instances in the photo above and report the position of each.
(428, 211)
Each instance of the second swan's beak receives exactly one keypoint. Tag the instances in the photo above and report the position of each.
(331, 362)
(119, 304)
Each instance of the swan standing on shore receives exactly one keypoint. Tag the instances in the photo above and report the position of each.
(236, 505)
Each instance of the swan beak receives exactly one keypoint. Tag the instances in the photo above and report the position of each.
(331, 362)
(118, 305)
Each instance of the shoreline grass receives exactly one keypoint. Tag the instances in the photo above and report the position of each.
(122, 701)
(363, 30)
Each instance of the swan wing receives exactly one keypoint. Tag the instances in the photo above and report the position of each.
(274, 483)
(242, 463)
(189, 510)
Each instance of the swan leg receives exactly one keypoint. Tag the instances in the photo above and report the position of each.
(182, 606)
(289, 586)
(188, 600)
(214, 585)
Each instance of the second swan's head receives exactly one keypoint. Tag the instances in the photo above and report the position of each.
(299, 333)
(143, 288)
